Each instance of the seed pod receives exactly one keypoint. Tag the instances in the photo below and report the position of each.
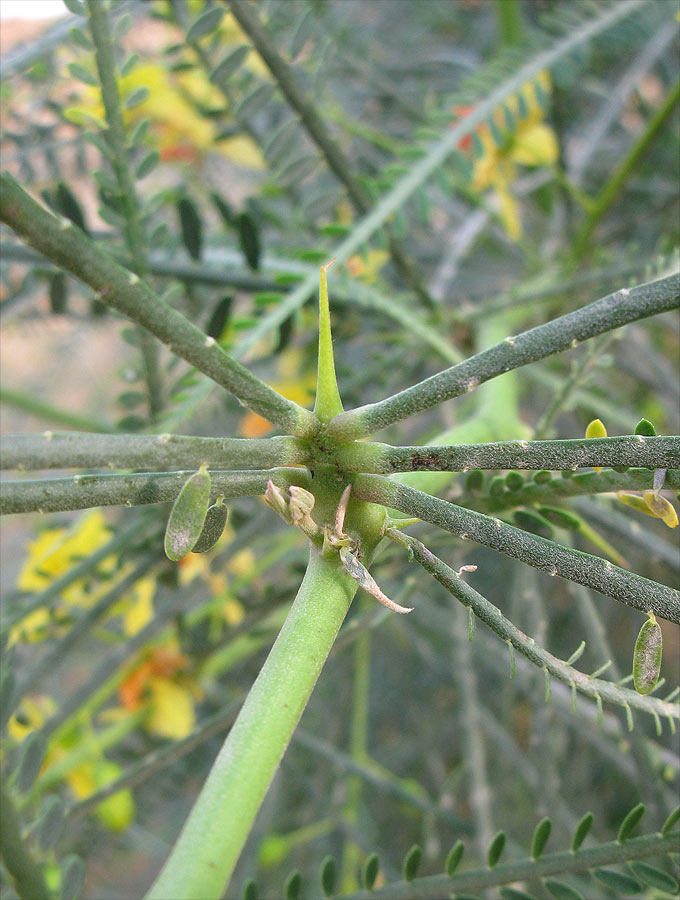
(187, 516)
(215, 523)
(647, 656)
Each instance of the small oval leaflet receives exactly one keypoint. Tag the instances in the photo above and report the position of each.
(214, 525)
(647, 656)
(187, 516)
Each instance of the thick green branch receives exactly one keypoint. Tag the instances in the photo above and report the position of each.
(208, 848)
(555, 559)
(84, 491)
(506, 631)
(567, 331)
(631, 450)
(433, 887)
(75, 449)
(73, 251)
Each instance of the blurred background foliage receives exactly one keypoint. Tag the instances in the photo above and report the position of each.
(132, 668)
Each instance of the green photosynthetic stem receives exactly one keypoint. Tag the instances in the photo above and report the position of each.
(626, 168)
(134, 233)
(476, 881)
(248, 18)
(440, 151)
(66, 450)
(630, 450)
(617, 309)
(523, 643)
(206, 852)
(556, 559)
(85, 491)
(74, 252)
(42, 410)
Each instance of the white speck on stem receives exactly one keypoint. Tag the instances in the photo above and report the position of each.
(47, 435)
(574, 343)
(210, 341)
(164, 438)
(510, 340)
(133, 278)
(65, 224)
(624, 292)
(472, 384)
(552, 572)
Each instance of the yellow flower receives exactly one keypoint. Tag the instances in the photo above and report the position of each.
(180, 131)
(160, 685)
(517, 137)
(366, 266)
(57, 550)
(117, 811)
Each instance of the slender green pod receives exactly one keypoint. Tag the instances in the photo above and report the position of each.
(188, 515)
(647, 656)
(214, 525)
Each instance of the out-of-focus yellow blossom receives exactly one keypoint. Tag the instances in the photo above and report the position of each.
(293, 383)
(31, 714)
(118, 810)
(180, 131)
(161, 685)
(530, 142)
(139, 608)
(55, 550)
(366, 266)
(53, 553)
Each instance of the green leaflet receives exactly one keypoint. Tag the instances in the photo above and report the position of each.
(214, 525)
(647, 656)
(187, 516)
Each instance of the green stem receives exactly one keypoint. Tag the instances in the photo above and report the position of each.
(633, 450)
(84, 491)
(26, 873)
(134, 233)
(578, 371)
(206, 852)
(435, 886)
(73, 251)
(557, 488)
(611, 190)
(613, 311)
(351, 852)
(591, 571)
(67, 450)
(440, 151)
(523, 643)
(248, 19)
(31, 404)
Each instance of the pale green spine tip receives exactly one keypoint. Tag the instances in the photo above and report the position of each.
(328, 403)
